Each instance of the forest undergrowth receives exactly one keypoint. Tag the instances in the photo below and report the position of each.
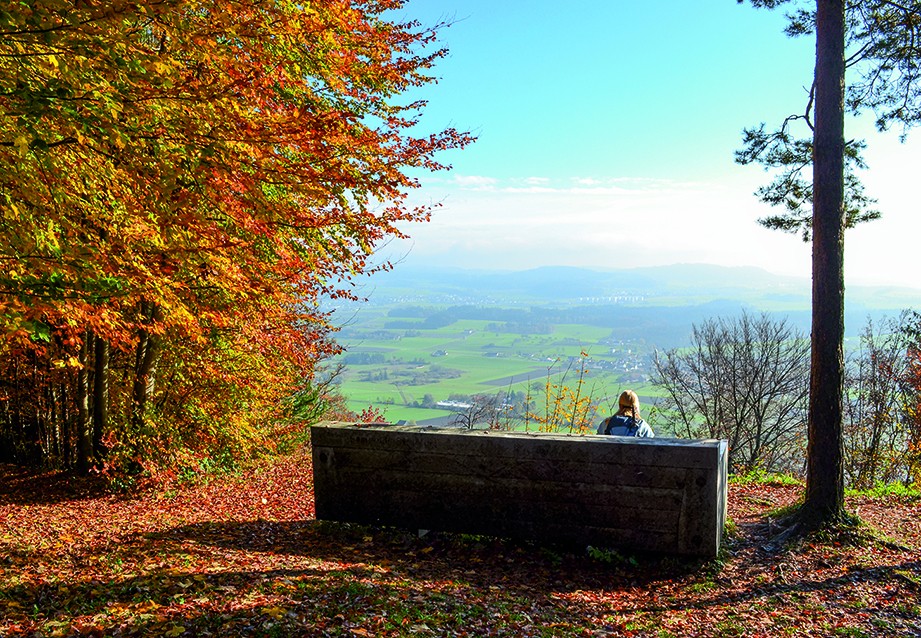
(242, 555)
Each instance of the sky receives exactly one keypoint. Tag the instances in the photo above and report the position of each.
(606, 131)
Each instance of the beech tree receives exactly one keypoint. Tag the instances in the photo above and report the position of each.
(877, 41)
(181, 183)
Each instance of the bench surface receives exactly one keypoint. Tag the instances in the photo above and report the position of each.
(663, 495)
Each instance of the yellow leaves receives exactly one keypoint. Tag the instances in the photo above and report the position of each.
(159, 68)
(183, 148)
(174, 631)
(275, 612)
(22, 144)
(147, 607)
(13, 208)
(117, 135)
(46, 238)
(567, 407)
(53, 61)
(69, 362)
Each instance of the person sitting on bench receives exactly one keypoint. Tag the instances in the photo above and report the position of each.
(627, 421)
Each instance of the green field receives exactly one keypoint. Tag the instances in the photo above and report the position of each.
(425, 340)
(416, 366)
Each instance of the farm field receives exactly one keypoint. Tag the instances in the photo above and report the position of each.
(404, 371)
(420, 338)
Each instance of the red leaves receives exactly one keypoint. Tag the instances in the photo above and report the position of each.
(228, 165)
(241, 555)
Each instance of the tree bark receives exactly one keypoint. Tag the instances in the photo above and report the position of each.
(825, 477)
(63, 420)
(145, 366)
(84, 425)
(100, 395)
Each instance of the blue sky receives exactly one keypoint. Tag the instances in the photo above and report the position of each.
(606, 136)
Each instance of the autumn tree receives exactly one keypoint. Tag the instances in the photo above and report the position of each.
(182, 182)
(878, 400)
(876, 41)
(568, 404)
(911, 328)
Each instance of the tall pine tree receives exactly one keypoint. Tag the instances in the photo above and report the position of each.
(875, 42)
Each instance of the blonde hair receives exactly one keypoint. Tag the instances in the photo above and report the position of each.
(629, 404)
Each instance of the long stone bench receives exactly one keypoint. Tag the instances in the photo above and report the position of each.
(660, 495)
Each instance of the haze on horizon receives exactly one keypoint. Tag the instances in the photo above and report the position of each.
(606, 138)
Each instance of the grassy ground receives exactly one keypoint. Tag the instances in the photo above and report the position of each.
(242, 555)
(482, 362)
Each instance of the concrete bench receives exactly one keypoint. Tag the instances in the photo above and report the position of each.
(660, 495)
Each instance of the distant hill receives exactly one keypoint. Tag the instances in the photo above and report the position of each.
(567, 282)
(707, 277)
(658, 305)
(678, 284)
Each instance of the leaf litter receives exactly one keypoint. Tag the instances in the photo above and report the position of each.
(243, 556)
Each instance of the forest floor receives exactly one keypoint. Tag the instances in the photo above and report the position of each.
(243, 556)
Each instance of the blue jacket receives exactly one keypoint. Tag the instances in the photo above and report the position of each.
(622, 427)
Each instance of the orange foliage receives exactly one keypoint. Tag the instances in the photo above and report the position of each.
(198, 174)
(913, 412)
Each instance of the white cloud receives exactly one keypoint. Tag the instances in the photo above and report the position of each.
(635, 223)
(629, 222)
(474, 181)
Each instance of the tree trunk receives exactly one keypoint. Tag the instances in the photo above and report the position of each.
(145, 367)
(825, 476)
(63, 421)
(100, 395)
(84, 425)
(57, 446)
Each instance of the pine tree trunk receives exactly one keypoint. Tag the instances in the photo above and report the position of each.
(825, 477)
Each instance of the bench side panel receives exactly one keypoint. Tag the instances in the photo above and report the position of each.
(593, 490)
